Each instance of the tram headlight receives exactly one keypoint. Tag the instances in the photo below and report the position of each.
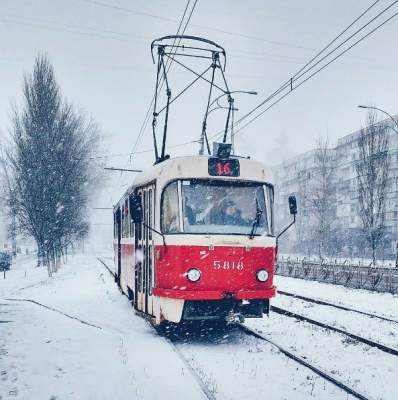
(194, 275)
(262, 275)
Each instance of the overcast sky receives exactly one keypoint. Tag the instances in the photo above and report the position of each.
(102, 62)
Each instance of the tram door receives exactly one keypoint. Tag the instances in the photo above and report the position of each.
(144, 275)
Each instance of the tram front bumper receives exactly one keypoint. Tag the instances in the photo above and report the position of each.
(215, 294)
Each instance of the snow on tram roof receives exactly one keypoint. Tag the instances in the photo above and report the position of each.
(197, 167)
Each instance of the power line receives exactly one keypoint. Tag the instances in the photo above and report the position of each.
(143, 127)
(70, 29)
(123, 37)
(162, 79)
(108, 34)
(143, 151)
(148, 113)
(318, 71)
(128, 10)
(146, 119)
(338, 36)
(297, 75)
(302, 71)
(210, 28)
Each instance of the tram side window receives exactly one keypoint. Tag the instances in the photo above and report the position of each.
(124, 222)
(150, 223)
(126, 219)
(170, 214)
(131, 222)
(114, 226)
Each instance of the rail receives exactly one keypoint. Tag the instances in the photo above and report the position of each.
(202, 385)
(340, 307)
(329, 377)
(332, 328)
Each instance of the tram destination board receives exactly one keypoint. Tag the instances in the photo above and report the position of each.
(219, 167)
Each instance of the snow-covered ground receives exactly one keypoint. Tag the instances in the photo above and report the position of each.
(47, 355)
(89, 344)
(369, 370)
(238, 366)
(375, 329)
(384, 304)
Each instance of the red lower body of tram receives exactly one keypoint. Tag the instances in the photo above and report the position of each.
(227, 286)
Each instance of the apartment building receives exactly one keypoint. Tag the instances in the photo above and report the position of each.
(295, 176)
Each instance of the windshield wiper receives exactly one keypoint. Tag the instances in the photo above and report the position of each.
(256, 222)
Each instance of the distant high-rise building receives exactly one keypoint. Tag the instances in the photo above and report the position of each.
(296, 176)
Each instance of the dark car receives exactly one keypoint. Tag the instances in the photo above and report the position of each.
(5, 261)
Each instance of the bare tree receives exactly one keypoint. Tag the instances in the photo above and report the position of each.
(7, 200)
(301, 226)
(372, 175)
(51, 165)
(322, 197)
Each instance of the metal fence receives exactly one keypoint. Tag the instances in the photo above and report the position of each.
(381, 279)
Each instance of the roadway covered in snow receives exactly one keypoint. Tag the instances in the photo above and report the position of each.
(80, 339)
(47, 355)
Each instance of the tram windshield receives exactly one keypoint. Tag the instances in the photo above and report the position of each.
(218, 207)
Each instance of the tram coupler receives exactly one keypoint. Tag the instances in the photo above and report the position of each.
(234, 318)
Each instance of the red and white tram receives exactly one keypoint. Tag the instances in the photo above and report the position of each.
(194, 240)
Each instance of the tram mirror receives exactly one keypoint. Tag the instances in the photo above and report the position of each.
(293, 205)
(136, 208)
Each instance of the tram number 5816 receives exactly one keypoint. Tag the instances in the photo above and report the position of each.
(233, 265)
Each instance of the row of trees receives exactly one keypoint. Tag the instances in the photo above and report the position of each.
(319, 229)
(49, 164)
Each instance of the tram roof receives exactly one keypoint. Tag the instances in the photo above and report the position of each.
(189, 167)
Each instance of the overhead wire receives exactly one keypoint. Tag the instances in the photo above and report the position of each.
(148, 113)
(298, 75)
(338, 36)
(318, 71)
(294, 77)
(302, 71)
(278, 91)
(210, 28)
(75, 29)
(146, 119)
(169, 63)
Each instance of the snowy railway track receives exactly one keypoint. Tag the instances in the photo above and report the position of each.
(248, 331)
(358, 338)
(328, 304)
(54, 310)
(107, 267)
(207, 393)
(305, 363)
